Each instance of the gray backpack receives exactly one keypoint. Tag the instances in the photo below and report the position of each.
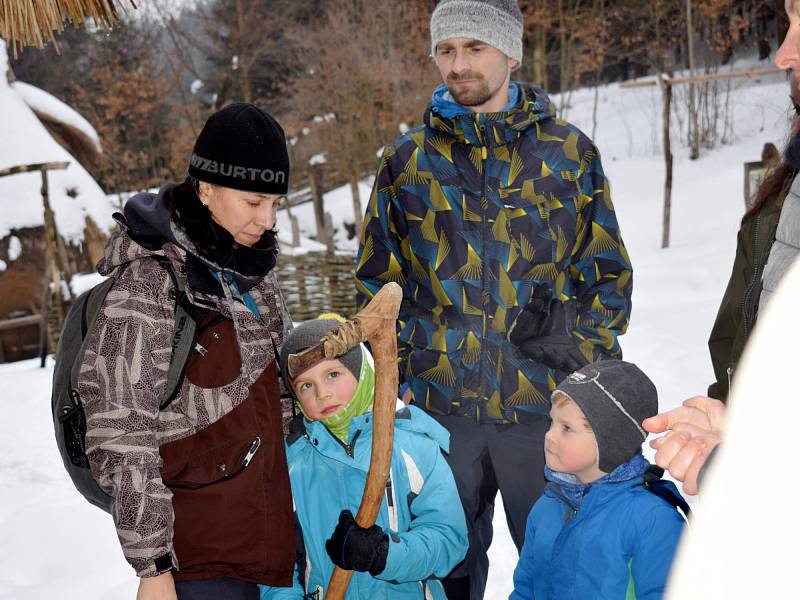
(68, 415)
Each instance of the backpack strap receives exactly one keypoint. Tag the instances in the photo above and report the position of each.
(665, 490)
(183, 334)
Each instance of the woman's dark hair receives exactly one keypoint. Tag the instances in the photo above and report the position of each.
(776, 183)
(188, 212)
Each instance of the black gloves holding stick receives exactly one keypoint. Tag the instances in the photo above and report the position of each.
(541, 333)
(356, 548)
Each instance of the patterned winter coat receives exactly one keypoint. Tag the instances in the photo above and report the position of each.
(468, 214)
(167, 470)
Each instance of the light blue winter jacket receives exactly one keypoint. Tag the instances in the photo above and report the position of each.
(610, 541)
(421, 510)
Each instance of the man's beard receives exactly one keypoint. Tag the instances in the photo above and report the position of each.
(469, 97)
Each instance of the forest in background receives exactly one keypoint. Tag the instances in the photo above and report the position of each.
(345, 77)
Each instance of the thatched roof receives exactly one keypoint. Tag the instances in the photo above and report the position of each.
(35, 22)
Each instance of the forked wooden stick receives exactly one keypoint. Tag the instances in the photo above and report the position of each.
(376, 325)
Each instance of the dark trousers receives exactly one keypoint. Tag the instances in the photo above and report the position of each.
(216, 589)
(485, 459)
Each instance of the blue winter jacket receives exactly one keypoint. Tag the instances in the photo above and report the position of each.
(421, 510)
(608, 540)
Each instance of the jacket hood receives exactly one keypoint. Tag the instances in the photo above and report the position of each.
(489, 129)
(148, 216)
(147, 223)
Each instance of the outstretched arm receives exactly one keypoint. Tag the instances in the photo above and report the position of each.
(693, 430)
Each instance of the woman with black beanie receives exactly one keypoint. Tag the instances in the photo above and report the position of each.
(200, 488)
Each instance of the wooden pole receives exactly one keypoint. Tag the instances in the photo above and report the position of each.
(375, 324)
(666, 93)
(698, 78)
(694, 132)
(243, 65)
(315, 178)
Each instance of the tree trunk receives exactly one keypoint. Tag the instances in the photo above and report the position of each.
(666, 92)
(540, 51)
(315, 180)
(694, 131)
(247, 86)
(357, 210)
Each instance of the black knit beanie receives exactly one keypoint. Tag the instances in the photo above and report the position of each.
(244, 148)
(310, 333)
(615, 396)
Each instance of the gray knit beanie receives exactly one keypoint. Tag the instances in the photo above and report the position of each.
(615, 396)
(495, 22)
(310, 333)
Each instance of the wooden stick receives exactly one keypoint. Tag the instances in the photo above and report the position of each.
(49, 166)
(376, 325)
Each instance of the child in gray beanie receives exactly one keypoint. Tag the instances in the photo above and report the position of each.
(598, 531)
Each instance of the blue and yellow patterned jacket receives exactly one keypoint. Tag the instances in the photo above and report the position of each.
(468, 214)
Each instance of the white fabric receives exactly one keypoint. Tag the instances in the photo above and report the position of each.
(743, 540)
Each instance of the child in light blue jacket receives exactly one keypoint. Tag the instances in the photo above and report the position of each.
(597, 532)
(420, 533)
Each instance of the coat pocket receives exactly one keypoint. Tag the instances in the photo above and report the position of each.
(216, 361)
(436, 378)
(219, 463)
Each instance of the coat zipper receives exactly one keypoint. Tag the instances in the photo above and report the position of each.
(484, 266)
(747, 297)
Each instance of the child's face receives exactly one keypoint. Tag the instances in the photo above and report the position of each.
(570, 445)
(324, 389)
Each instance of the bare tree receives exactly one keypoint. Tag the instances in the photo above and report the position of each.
(368, 72)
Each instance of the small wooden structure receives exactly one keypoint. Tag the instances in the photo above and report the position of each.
(57, 275)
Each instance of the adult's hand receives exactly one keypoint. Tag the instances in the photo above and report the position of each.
(160, 587)
(693, 431)
(541, 332)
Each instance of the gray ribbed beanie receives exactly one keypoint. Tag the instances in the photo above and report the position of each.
(310, 333)
(495, 22)
(615, 396)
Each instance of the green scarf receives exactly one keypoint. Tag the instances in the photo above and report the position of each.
(339, 423)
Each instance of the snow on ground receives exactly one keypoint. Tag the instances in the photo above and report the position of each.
(54, 544)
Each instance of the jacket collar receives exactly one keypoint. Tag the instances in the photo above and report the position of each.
(489, 129)
(303, 432)
(565, 487)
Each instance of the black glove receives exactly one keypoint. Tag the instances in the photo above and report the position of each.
(541, 333)
(355, 548)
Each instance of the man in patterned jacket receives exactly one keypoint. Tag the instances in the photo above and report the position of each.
(491, 205)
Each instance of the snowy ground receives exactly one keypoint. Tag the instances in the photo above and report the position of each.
(54, 545)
